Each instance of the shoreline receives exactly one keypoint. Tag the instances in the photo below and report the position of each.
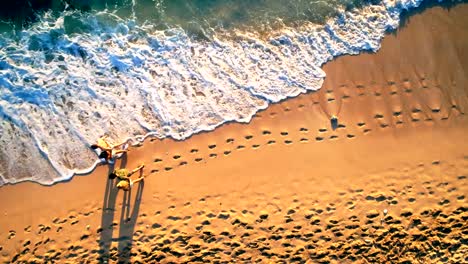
(409, 80)
(257, 96)
(140, 139)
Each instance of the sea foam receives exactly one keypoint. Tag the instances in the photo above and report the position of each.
(61, 88)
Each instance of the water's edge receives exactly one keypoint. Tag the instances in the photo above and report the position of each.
(306, 79)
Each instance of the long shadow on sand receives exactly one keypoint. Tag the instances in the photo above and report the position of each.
(108, 210)
(127, 219)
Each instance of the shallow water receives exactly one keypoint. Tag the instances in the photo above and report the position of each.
(180, 67)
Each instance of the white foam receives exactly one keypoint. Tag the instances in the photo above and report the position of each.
(61, 92)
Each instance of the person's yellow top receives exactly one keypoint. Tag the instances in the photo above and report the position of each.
(122, 174)
(124, 185)
(123, 179)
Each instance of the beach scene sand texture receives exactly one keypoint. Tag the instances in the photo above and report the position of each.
(370, 167)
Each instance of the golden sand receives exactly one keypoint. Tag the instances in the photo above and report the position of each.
(387, 183)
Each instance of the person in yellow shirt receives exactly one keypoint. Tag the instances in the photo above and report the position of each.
(123, 177)
(108, 150)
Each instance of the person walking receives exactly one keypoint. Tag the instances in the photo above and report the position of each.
(123, 177)
(108, 151)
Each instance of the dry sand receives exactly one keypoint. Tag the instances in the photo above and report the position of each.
(388, 185)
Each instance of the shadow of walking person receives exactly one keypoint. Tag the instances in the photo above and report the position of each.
(108, 211)
(127, 222)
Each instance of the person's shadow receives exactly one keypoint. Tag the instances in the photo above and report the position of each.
(108, 210)
(127, 220)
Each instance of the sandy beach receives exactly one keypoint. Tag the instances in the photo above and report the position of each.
(387, 184)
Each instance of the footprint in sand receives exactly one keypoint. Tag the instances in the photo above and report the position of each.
(444, 202)
(406, 212)
(174, 218)
(229, 140)
(44, 228)
(248, 137)
(212, 146)
(176, 157)
(227, 152)
(223, 215)
(11, 234)
(270, 142)
(193, 150)
(452, 189)
(211, 215)
(266, 132)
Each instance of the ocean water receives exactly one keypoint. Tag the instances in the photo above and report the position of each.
(71, 71)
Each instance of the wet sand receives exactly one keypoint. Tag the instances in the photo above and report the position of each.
(387, 183)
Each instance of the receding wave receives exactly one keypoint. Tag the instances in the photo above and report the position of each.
(66, 80)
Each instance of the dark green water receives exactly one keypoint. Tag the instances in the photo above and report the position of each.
(197, 17)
